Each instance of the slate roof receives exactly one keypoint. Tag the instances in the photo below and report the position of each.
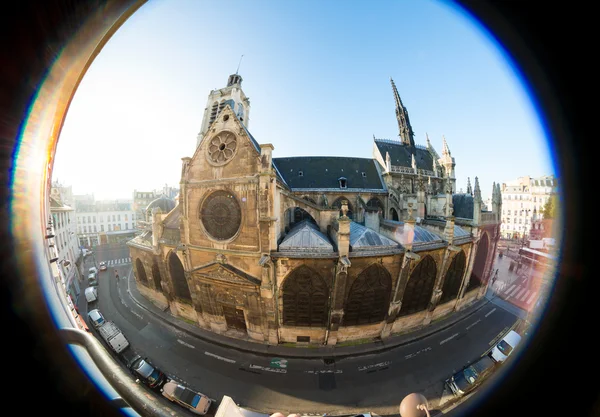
(166, 204)
(362, 238)
(305, 236)
(323, 172)
(401, 155)
(463, 205)
(172, 220)
(460, 232)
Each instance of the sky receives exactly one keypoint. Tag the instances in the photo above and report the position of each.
(317, 74)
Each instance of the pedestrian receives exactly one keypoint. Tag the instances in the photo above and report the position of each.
(117, 274)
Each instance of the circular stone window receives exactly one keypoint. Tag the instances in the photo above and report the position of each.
(221, 215)
(221, 148)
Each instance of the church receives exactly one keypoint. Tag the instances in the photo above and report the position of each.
(315, 250)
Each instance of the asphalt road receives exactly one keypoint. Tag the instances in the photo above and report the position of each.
(375, 383)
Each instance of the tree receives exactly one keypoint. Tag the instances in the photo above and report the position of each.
(550, 209)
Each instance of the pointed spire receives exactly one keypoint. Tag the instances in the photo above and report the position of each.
(428, 142)
(405, 129)
(445, 149)
(469, 189)
(477, 191)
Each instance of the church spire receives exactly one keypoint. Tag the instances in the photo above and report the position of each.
(445, 149)
(469, 189)
(405, 129)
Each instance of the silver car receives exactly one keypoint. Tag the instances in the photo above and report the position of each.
(96, 318)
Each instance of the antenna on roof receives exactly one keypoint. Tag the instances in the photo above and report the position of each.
(238, 68)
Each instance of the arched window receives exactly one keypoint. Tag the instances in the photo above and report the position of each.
(141, 272)
(477, 277)
(338, 204)
(376, 203)
(419, 288)
(156, 276)
(305, 297)
(369, 297)
(301, 214)
(180, 286)
(453, 278)
(394, 214)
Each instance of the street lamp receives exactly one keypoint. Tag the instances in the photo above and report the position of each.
(414, 405)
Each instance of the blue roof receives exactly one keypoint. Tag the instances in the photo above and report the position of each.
(305, 236)
(363, 238)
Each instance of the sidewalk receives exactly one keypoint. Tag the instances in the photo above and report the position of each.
(293, 352)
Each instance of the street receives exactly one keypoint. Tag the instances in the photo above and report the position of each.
(375, 382)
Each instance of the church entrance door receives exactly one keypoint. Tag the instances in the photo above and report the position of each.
(234, 318)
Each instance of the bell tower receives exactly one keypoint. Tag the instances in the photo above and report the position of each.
(231, 95)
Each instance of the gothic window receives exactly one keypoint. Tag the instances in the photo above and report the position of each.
(305, 297)
(375, 203)
(338, 204)
(180, 285)
(141, 272)
(369, 297)
(453, 278)
(156, 276)
(419, 288)
(221, 215)
(394, 214)
(477, 277)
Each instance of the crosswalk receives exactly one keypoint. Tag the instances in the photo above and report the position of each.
(516, 293)
(117, 262)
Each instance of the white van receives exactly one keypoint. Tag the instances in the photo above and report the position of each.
(505, 346)
(91, 294)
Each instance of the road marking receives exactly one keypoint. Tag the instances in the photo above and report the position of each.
(531, 298)
(521, 293)
(412, 355)
(494, 309)
(263, 368)
(139, 316)
(471, 325)
(509, 290)
(451, 337)
(375, 365)
(186, 344)
(525, 295)
(221, 358)
(514, 291)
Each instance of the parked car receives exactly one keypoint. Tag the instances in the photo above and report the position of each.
(96, 317)
(103, 266)
(91, 294)
(463, 381)
(505, 347)
(92, 281)
(146, 373)
(194, 401)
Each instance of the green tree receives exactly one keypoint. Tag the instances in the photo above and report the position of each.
(550, 209)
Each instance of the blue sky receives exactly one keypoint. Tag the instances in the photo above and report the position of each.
(318, 77)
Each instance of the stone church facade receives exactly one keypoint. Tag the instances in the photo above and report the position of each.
(313, 250)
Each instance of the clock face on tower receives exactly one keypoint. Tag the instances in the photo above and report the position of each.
(221, 148)
(221, 215)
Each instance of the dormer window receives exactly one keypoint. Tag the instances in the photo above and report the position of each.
(343, 182)
(300, 173)
(364, 174)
